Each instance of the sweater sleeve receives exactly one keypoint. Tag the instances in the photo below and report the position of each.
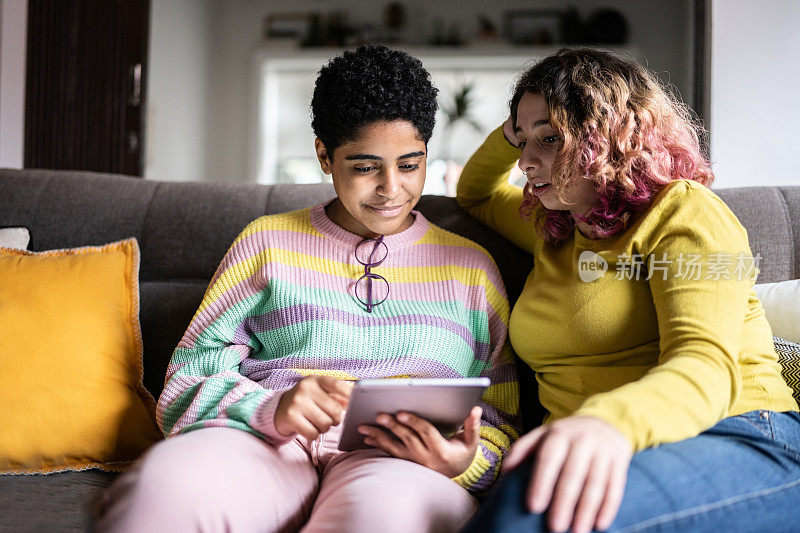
(700, 317)
(500, 423)
(204, 386)
(484, 193)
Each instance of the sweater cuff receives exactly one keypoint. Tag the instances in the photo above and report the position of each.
(264, 421)
(471, 479)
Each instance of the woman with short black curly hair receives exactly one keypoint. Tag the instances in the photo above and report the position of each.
(369, 84)
(361, 286)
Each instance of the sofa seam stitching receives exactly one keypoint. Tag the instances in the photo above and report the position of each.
(39, 200)
(144, 222)
(795, 273)
(269, 197)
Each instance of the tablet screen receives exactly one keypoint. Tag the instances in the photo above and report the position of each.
(445, 403)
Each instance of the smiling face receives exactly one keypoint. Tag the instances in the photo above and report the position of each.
(378, 177)
(540, 144)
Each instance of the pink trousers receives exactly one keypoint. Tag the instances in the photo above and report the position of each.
(221, 479)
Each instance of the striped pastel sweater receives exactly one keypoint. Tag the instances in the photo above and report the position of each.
(281, 307)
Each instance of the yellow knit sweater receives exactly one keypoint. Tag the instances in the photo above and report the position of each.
(661, 359)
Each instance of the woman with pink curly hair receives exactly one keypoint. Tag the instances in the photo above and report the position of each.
(666, 409)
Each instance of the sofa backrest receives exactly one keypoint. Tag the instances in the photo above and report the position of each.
(771, 216)
(184, 229)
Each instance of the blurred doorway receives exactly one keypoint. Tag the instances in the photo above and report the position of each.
(85, 84)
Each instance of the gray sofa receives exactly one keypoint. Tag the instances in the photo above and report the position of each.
(184, 229)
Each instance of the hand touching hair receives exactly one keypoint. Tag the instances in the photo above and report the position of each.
(619, 128)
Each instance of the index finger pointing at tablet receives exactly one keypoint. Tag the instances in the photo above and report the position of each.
(336, 386)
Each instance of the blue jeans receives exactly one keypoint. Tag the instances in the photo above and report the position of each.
(743, 474)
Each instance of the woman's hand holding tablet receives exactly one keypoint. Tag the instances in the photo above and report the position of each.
(433, 422)
(415, 439)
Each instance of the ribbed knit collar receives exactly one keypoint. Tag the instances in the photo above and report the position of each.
(322, 223)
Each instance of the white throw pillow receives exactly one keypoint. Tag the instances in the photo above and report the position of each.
(782, 306)
(14, 238)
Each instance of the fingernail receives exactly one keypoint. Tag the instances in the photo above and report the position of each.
(363, 430)
(402, 417)
(537, 506)
(382, 419)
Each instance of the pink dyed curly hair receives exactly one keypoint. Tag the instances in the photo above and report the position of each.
(620, 128)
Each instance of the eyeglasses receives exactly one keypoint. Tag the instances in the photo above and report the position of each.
(371, 289)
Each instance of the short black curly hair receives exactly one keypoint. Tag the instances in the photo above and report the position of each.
(369, 84)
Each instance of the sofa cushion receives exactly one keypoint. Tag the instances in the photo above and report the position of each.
(59, 502)
(789, 358)
(781, 303)
(15, 238)
(170, 306)
(770, 216)
(71, 368)
(63, 210)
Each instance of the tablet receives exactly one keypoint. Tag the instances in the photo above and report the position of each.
(445, 403)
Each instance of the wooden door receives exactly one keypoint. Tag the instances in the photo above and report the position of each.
(85, 86)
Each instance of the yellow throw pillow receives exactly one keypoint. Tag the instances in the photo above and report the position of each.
(71, 393)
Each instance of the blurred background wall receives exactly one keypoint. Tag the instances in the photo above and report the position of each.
(214, 68)
(13, 14)
(661, 34)
(755, 76)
